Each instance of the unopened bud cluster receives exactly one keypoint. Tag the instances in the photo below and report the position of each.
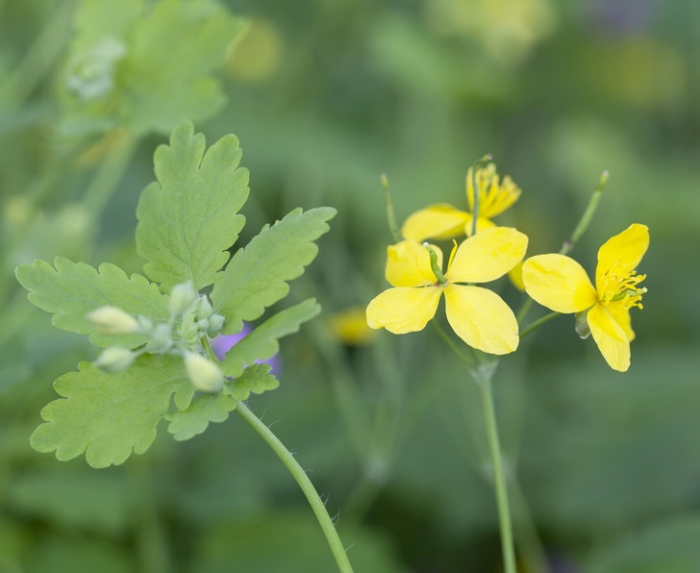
(191, 319)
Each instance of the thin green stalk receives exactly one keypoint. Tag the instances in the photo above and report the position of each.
(539, 322)
(468, 360)
(499, 480)
(587, 216)
(305, 484)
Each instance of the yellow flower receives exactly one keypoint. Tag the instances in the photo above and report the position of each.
(478, 316)
(443, 221)
(561, 284)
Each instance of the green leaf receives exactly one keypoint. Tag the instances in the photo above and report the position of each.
(72, 290)
(256, 379)
(189, 217)
(172, 52)
(146, 69)
(98, 19)
(108, 416)
(204, 409)
(262, 344)
(257, 275)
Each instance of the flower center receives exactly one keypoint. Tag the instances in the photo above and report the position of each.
(621, 288)
(494, 196)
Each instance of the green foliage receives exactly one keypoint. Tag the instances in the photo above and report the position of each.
(145, 68)
(256, 379)
(262, 344)
(194, 420)
(187, 221)
(669, 546)
(189, 217)
(72, 290)
(257, 275)
(203, 410)
(108, 416)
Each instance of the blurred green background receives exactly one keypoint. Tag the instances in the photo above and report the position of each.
(324, 96)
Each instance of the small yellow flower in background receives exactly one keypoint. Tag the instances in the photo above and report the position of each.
(477, 315)
(561, 284)
(443, 221)
(349, 326)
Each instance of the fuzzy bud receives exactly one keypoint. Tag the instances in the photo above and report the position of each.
(115, 359)
(204, 309)
(204, 374)
(181, 298)
(113, 320)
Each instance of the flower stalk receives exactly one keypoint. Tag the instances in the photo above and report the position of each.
(482, 377)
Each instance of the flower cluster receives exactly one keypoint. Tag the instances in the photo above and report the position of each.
(191, 319)
(477, 314)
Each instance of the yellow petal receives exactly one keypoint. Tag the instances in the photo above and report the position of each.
(439, 221)
(481, 225)
(610, 338)
(559, 283)
(408, 264)
(621, 315)
(403, 309)
(516, 276)
(622, 253)
(481, 318)
(487, 256)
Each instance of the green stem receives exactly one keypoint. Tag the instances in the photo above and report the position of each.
(499, 480)
(305, 484)
(468, 360)
(390, 213)
(539, 322)
(587, 216)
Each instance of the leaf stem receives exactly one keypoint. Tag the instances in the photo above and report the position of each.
(483, 381)
(305, 484)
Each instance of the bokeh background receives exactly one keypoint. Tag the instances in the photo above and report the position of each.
(324, 96)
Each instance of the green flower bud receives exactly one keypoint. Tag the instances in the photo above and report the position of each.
(204, 308)
(161, 339)
(204, 374)
(115, 359)
(216, 323)
(113, 320)
(181, 298)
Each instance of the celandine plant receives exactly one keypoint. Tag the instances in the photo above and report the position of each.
(479, 317)
(156, 329)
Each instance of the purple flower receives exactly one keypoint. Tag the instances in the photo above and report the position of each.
(224, 342)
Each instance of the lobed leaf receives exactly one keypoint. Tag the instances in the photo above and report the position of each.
(188, 218)
(257, 275)
(262, 343)
(256, 379)
(72, 290)
(109, 416)
(186, 424)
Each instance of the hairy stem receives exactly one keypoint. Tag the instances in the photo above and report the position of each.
(305, 484)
